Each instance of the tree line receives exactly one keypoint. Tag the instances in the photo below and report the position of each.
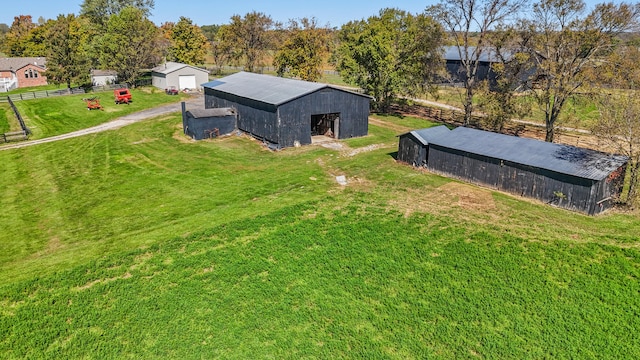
(551, 50)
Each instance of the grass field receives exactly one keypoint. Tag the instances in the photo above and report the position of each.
(142, 244)
(63, 114)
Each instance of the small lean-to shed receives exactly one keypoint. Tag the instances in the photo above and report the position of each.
(570, 177)
(179, 76)
(287, 112)
(414, 145)
(208, 123)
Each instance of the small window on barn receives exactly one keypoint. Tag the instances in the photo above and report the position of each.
(35, 73)
(26, 74)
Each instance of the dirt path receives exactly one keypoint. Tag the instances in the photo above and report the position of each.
(111, 125)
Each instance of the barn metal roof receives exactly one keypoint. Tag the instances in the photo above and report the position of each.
(426, 135)
(266, 88)
(559, 158)
(488, 54)
(207, 113)
(171, 66)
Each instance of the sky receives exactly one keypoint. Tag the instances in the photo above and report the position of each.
(210, 12)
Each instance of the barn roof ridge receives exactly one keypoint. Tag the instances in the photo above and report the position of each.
(268, 89)
(559, 158)
(171, 66)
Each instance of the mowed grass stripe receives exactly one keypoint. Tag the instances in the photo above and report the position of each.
(168, 248)
(297, 283)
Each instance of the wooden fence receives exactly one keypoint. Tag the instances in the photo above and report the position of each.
(41, 94)
(16, 135)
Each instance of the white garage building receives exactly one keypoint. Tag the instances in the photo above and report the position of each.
(180, 76)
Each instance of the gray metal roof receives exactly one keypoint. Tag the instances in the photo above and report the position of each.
(426, 135)
(171, 66)
(563, 159)
(266, 88)
(488, 54)
(16, 63)
(207, 113)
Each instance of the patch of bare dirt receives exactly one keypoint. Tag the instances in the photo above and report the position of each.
(445, 197)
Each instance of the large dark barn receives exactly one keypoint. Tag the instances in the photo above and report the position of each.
(287, 112)
(570, 177)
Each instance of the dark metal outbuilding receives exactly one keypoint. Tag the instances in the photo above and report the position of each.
(287, 112)
(208, 123)
(571, 177)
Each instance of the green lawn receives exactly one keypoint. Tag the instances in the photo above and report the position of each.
(62, 114)
(5, 116)
(139, 243)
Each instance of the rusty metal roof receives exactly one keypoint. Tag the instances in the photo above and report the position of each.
(559, 158)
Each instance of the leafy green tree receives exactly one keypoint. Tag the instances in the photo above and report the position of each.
(469, 22)
(567, 45)
(248, 38)
(390, 55)
(99, 11)
(188, 43)
(129, 44)
(16, 42)
(35, 43)
(67, 60)
(210, 31)
(302, 53)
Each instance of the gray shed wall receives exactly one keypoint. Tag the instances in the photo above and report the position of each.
(164, 81)
(159, 80)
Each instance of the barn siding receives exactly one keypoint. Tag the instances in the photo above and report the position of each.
(581, 194)
(411, 150)
(295, 115)
(291, 122)
(199, 128)
(254, 117)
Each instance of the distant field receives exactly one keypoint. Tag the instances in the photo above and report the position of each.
(140, 243)
(62, 114)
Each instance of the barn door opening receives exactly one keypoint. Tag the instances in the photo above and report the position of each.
(325, 124)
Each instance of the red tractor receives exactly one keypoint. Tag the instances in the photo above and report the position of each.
(171, 90)
(122, 96)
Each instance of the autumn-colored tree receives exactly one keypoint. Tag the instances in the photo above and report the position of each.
(618, 126)
(15, 42)
(129, 44)
(221, 51)
(303, 50)
(567, 44)
(67, 60)
(187, 43)
(390, 55)
(499, 99)
(469, 22)
(248, 38)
